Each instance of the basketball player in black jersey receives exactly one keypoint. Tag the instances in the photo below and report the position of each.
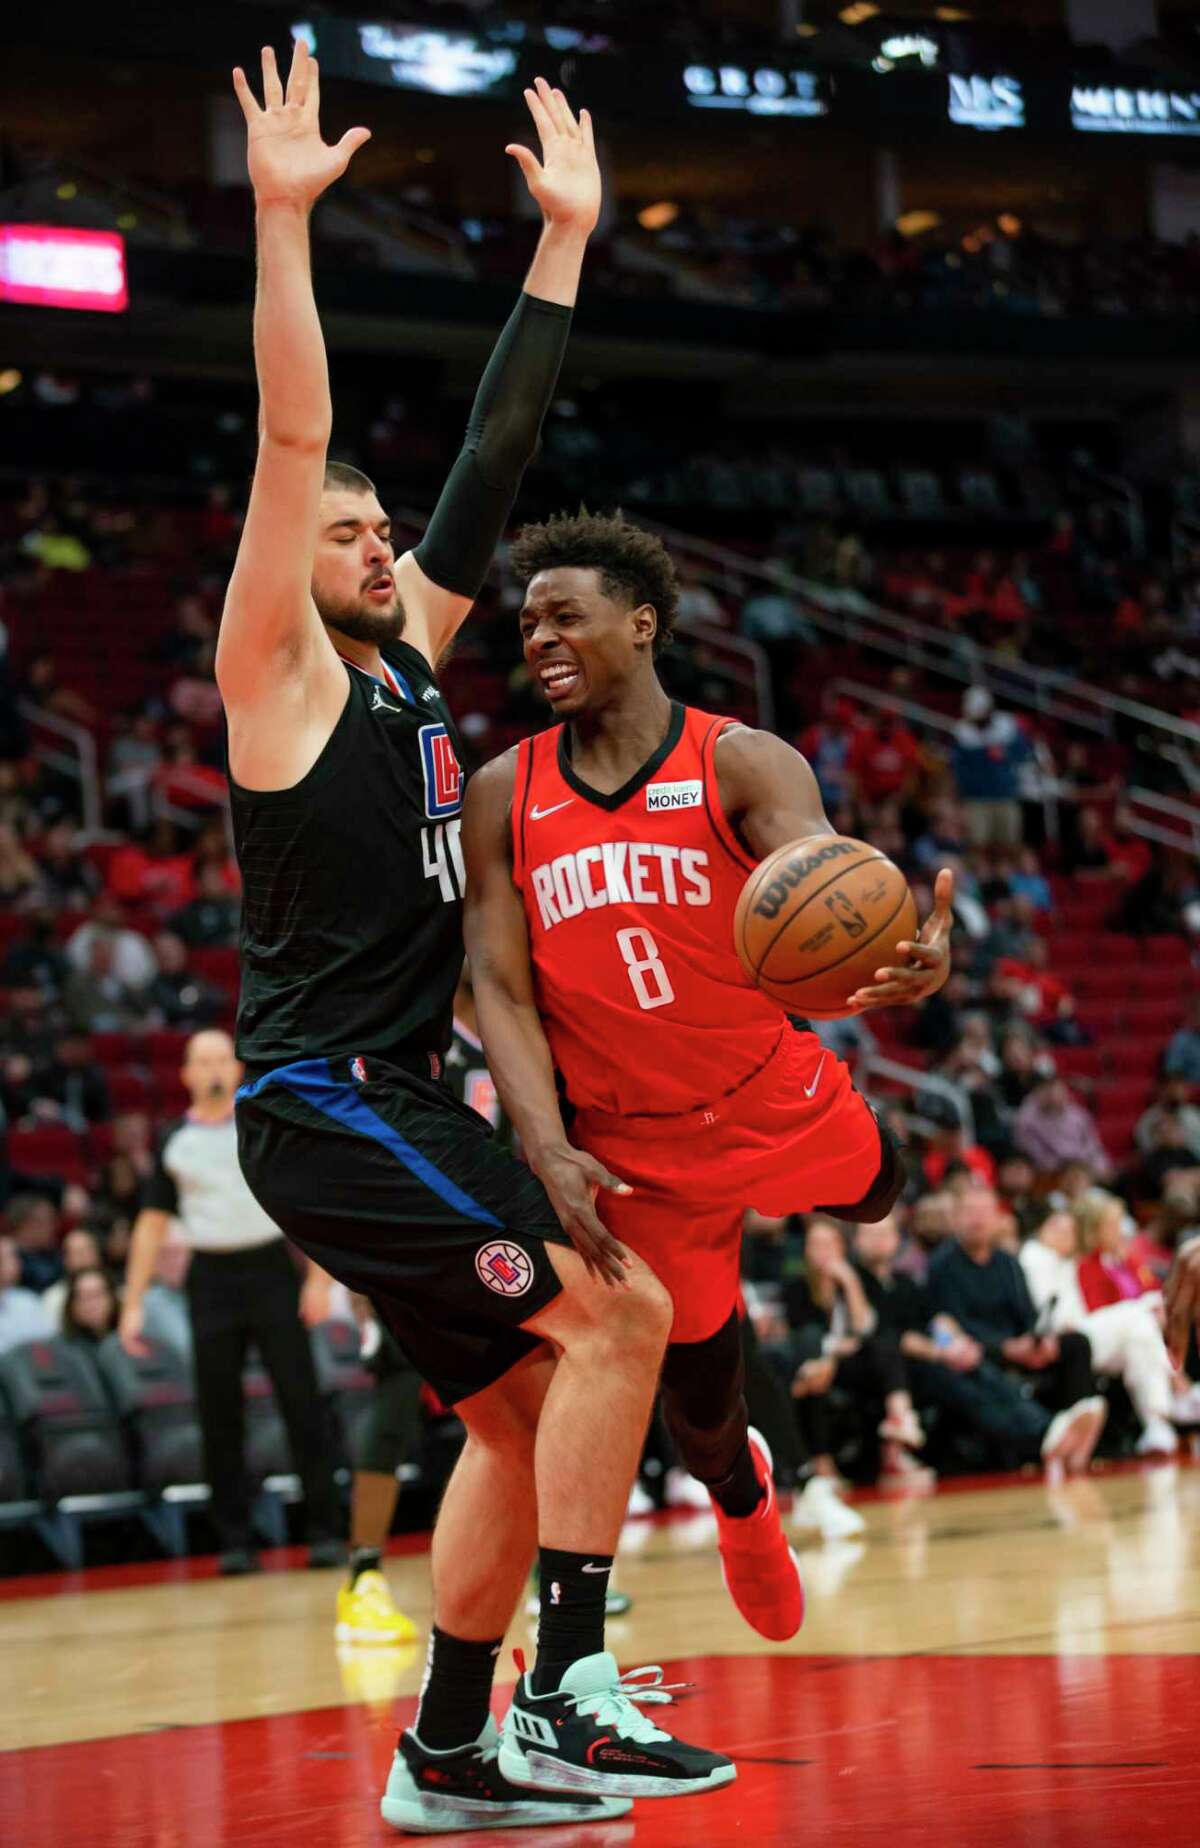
(346, 793)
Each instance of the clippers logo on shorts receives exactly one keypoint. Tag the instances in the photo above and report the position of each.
(443, 774)
(504, 1268)
(674, 795)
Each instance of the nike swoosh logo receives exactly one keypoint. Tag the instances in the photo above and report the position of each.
(537, 814)
(589, 1567)
(810, 1090)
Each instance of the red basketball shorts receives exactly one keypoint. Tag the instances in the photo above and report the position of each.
(795, 1136)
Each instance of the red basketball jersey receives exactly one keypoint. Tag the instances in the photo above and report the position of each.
(630, 900)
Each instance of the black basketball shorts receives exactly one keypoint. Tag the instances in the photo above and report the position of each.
(389, 1183)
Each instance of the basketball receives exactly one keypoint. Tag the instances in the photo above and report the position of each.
(817, 918)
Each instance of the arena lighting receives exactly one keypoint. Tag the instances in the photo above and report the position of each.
(51, 266)
(916, 223)
(857, 14)
(658, 217)
(1103, 109)
(988, 103)
(765, 91)
(447, 63)
(1009, 224)
(10, 378)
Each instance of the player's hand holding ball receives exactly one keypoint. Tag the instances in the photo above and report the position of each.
(827, 927)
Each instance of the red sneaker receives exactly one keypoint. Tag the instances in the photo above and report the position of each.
(762, 1574)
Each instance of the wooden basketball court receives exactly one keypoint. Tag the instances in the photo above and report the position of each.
(997, 1665)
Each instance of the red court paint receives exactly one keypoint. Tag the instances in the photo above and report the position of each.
(908, 1751)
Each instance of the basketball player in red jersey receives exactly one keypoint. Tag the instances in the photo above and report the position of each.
(604, 861)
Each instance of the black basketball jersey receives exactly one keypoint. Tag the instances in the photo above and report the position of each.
(351, 935)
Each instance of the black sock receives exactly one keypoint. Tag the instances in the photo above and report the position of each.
(458, 1684)
(572, 1587)
(740, 1492)
(364, 1559)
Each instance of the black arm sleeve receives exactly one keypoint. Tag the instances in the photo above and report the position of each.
(502, 435)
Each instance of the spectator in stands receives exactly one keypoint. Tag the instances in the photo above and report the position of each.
(80, 1251)
(165, 1315)
(71, 1085)
(1172, 1102)
(1125, 1338)
(946, 1368)
(20, 884)
(1027, 880)
(1085, 853)
(929, 1225)
(1182, 1057)
(133, 758)
(95, 998)
(1169, 1163)
(210, 920)
(1053, 1128)
(1016, 1184)
(950, 1148)
(35, 960)
(989, 748)
(43, 688)
(123, 1176)
(23, 1315)
(177, 997)
(945, 835)
(152, 871)
(885, 760)
(1108, 1271)
(133, 959)
(1022, 1067)
(71, 882)
(983, 1290)
(33, 1222)
(833, 1326)
(16, 810)
(193, 633)
(91, 1310)
(771, 613)
(827, 745)
(1028, 985)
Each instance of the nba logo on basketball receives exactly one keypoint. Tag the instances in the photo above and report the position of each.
(443, 775)
(504, 1268)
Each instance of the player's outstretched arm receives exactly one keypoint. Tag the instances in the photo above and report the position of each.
(518, 1055)
(270, 629)
(439, 581)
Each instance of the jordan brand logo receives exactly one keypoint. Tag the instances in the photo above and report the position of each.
(379, 704)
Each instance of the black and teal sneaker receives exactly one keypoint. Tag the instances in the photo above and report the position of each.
(445, 1793)
(589, 1737)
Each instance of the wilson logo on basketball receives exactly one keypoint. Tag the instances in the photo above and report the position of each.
(795, 872)
(504, 1268)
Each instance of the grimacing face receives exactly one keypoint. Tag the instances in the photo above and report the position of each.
(581, 644)
(352, 582)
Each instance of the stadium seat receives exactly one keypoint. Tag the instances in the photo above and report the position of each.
(344, 1381)
(66, 1418)
(156, 1397)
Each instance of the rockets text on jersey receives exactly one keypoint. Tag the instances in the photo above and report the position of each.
(629, 899)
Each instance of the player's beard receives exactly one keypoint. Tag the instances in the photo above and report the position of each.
(362, 624)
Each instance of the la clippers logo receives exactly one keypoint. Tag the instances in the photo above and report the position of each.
(504, 1268)
(443, 774)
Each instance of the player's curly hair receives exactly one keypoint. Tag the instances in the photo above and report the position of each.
(631, 562)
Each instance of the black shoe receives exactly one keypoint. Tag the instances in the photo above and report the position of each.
(589, 1736)
(435, 1793)
(326, 1553)
(237, 1562)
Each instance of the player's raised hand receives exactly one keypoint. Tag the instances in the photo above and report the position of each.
(573, 1179)
(288, 161)
(566, 181)
(926, 962)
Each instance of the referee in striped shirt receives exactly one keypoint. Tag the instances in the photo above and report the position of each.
(242, 1287)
